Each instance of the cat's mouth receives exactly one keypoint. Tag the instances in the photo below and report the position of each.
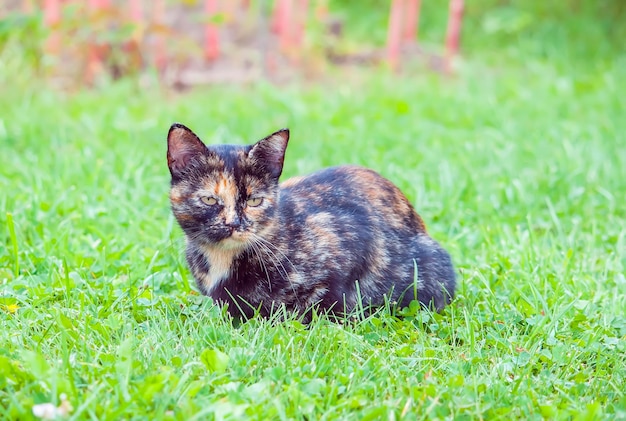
(236, 240)
(226, 237)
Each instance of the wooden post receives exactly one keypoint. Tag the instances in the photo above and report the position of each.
(285, 25)
(411, 20)
(394, 34)
(453, 32)
(160, 53)
(279, 16)
(52, 18)
(136, 11)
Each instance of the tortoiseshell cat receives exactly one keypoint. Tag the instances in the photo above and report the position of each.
(325, 241)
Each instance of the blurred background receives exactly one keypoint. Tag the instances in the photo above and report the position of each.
(186, 43)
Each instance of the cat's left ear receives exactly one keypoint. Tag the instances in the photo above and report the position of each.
(269, 153)
(182, 146)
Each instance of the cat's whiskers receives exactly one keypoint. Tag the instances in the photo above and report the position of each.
(255, 249)
(271, 248)
(272, 257)
(269, 243)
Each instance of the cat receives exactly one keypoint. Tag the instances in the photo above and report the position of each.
(337, 240)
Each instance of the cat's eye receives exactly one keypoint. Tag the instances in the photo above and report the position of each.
(208, 200)
(254, 201)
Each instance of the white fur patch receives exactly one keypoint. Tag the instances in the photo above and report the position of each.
(220, 263)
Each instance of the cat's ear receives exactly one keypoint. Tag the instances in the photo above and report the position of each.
(182, 146)
(269, 153)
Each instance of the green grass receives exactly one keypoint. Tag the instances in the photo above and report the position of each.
(519, 172)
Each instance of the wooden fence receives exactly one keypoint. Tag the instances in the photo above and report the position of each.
(285, 21)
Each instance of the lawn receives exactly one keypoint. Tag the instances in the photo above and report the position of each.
(519, 171)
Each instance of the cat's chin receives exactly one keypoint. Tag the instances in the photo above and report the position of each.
(233, 243)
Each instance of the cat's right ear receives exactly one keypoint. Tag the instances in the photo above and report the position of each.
(182, 146)
(269, 153)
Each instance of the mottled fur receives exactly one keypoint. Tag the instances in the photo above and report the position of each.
(326, 241)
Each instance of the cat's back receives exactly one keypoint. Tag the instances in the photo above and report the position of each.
(350, 191)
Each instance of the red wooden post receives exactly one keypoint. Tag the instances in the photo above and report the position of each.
(285, 25)
(136, 11)
(279, 16)
(411, 20)
(394, 33)
(160, 54)
(211, 33)
(52, 17)
(289, 22)
(453, 32)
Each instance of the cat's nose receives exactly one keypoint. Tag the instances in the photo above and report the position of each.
(233, 224)
(233, 227)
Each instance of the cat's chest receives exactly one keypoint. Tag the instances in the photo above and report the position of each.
(219, 266)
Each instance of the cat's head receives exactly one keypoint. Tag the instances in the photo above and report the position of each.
(224, 196)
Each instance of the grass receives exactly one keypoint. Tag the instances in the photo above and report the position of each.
(519, 172)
